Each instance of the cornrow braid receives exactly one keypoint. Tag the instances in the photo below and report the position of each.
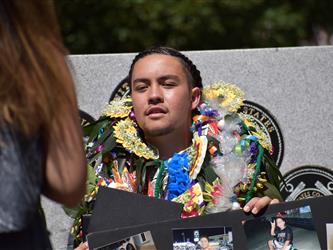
(193, 73)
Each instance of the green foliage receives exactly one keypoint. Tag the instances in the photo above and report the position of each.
(109, 26)
(272, 192)
(71, 212)
(83, 207)
(274, 175)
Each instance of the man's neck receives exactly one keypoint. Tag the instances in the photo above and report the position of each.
(169, 144)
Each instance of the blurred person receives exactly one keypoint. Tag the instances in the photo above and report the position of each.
(41, 149)
(204, 243)
(283, 235)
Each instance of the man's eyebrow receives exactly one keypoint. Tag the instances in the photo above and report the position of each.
(161, 78)
(140, 80)
(166, 77)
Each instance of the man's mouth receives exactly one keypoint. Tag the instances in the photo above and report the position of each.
(155, 111)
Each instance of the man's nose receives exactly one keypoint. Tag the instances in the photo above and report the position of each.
(155, 94)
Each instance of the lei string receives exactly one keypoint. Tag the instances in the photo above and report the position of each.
(178, 177)
(230, 169)
(206, 110)
(208, 117)
(159, 179)
(237, 157)
(213, 196)
(249, 194)
(253, 152)
(193, 200)
(197, 155)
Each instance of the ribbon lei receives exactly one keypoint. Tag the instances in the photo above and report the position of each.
(255, 174)
(158, 179)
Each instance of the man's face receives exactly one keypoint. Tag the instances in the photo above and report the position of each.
(204, 243)
(162, 98)
(280, 223)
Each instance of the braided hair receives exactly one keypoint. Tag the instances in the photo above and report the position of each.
(193, 74)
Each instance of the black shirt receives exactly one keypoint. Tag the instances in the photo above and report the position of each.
(22, 223)
(283, 235)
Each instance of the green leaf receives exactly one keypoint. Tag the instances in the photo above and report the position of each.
(273, 173)
(92, 179)
(210, 174)
(96, 128)
(109, 144)
(97, 159)
(201, 180)
(72, 212)
(139, 167)
(88, 129)
(150, 163)
(252, 129)
(104, 136)
(107, 133)
(272, 192)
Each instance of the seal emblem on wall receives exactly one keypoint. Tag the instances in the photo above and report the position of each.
(307, 182)
(121, 90)
(86, 119)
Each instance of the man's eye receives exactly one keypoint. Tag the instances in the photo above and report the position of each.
(140, 87)
(169, 84)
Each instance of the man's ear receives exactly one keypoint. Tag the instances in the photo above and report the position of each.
(196, 97)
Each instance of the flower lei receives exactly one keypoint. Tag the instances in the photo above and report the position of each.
(126, 134)
(231, 176)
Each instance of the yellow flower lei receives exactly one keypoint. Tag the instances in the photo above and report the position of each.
(118, 108)
(227, 95)
(127, 135)
(125, 131)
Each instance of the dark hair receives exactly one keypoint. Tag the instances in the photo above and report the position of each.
(191, 70)
(130, 246)
(204, 236)
(34, 80)
(280, 217)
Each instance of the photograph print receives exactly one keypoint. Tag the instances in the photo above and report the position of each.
(142, 241)
(216, 238)
(289, 230)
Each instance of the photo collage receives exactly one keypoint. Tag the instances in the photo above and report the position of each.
(303, 224)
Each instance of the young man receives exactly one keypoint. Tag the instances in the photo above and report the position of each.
(166, 89)
(166, 142)
(283, 235)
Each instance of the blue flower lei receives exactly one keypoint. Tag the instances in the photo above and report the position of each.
(178, 176)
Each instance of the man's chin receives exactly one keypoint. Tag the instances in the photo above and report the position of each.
(155, 132)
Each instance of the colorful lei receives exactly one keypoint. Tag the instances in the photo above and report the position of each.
(178, 175)
(227, 164)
